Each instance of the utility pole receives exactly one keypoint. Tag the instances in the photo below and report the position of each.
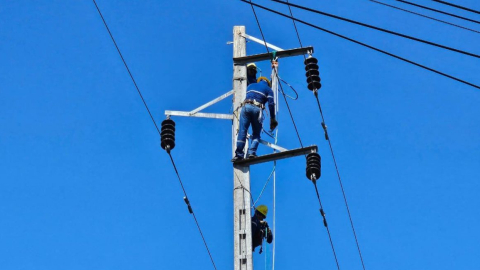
(242, 232)
(241, 174)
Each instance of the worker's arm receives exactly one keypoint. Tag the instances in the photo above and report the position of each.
(271, 107)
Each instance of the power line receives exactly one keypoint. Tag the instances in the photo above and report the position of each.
(126, 66)
(327, 137)
(368, 46)
(439, 11)
(322, 213)
(268, 51)
(379, 29)
(158, 130)
(259, 27)
(334, 161)
(190, 209)
(289, 111)
(296, 30)
(298, 135)
(457, 6)
(425, 16)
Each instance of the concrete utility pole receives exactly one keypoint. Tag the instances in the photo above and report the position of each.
(242, 232)
(241, 174)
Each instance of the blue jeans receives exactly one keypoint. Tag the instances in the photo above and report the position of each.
(250, 114)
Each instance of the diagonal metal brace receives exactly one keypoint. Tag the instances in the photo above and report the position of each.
(208, 104)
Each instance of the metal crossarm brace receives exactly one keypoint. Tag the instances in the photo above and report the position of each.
(208, 104)
(261, 42)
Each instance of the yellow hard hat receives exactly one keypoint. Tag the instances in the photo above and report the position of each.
(262, 209)
(265, 79)
(250, 65)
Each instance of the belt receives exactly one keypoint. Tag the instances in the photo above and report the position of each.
(253, 102)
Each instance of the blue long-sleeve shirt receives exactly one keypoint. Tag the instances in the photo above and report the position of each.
(262, 93)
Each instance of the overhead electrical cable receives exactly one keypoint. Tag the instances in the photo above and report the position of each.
(322, 213)
(298, 135)
(126, 66)
(289, 111)
(281, 87)
(379, 29)
(293, 89)
(190, 209)
(457, 6)
(439, 11)
(366, 45)
(327, 137)
(259, 27)
(268, 51)
(296, 29)
(158, 130)
(333, 157)
(425, 16)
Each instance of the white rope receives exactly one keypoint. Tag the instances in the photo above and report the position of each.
(275, 93)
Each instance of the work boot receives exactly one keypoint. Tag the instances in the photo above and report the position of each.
(236, 158)
(251, 156)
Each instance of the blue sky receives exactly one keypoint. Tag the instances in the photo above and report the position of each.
(85, 184)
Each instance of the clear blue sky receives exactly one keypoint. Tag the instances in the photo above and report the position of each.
(85, 184)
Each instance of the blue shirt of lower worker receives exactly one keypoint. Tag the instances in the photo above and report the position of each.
(262, 93)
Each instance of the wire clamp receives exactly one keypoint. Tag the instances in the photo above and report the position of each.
(324, 126)
(190, 210)
(324, 218)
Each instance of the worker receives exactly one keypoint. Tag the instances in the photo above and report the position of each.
(260, 229)
(252, 107)
(251, 73)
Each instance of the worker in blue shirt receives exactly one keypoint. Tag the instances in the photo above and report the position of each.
(257, 95)
(260, 229)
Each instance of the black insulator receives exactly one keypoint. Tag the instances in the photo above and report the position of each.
(167, 135)
(314, 83)
(313, 166)
(312, 74)
(311, 67)
(310, 60)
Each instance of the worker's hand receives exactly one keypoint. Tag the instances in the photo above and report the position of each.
(273, 124)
